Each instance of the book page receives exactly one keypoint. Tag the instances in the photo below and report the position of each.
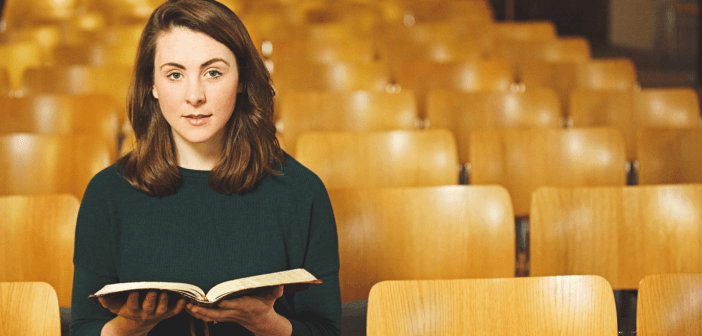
(188, 290)
(295, 276)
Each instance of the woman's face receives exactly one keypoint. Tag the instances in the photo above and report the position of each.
(196, 81)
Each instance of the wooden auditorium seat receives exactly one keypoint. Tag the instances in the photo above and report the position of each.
(526, 31)
(463, 112)
(356, 50)
(46, 164)
(666, 156)
(630, 111)
(523, 160)
(422, 77)
(380, 159)
(669, 304)
(96, 114)
(338, 76)
(566, 49)
(355, 111)
(566, 306)
(4, 81)
(620, 233)
(29, 309)
(448, 232)
(79, 79)
(17, 57)
(37, 240)
(566, 76)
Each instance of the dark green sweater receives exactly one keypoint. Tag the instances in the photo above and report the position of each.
(201, 237)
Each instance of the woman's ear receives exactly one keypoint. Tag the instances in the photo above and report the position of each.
(239, 87)
(154, 92)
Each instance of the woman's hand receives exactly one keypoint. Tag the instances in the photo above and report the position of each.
(254, 313)
(134, 318)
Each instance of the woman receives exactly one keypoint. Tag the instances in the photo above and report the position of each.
(206, 196)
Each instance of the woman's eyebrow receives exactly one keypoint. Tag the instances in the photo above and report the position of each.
(180, 66)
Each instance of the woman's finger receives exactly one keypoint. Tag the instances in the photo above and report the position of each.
(132, 302)
(149, 302)
(162, 307)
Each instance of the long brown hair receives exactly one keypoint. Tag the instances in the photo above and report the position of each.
(251, 149)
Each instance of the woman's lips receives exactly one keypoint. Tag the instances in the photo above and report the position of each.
(197, 120)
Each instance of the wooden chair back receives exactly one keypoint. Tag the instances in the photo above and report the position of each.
(561, 77)
(79, 79)
(523, 160)
(607, 74)
(567, 306)
(567, 49)
(455, 12)
(29, 309)
(355, 50)
(422, 77)
(48, 164)
(357, 111)
(17, 57)
(619, 233)
(668, 156)
(526, 31)
(380, 159)
(669, 304)
(308, 76)
(96, 114)
(463, 49)
(448, 232)
(37, 240)
(463, 112)
(94, 54)
(630, 111)
(4, 81)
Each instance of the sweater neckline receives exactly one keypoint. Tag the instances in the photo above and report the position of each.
(201, 174)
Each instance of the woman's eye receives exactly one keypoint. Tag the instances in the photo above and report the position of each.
(175, 76)
(214, 74)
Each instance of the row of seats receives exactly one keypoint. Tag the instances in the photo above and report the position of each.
(519, 159)
(668, 304)
(620, 233)
(361, 111)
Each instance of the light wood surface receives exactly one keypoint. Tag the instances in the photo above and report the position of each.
(463, 112)
(356, 50)
(380, 159)
(448, 232)
(669, 304)
(632, 110)
(29, 309)
(46, 164)
(534, 306)
(567, 49)
(4, 81)
(78, 79)
(459, 49)
(620, 233)
(448, 11)
(340, 76)
(17, 57)
(94, 54)
(526, 31)
(62, 114)
(523, 160)
(607, 74)
(422, 77)
(357, 111)
(37, 240)
(669, 155)
(562, 77)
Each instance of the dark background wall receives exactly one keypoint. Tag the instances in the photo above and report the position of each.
(587, 18)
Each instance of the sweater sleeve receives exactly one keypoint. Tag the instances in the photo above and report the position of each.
(318, 310)
(93, 261)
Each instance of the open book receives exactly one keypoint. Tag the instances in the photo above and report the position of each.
(293, 280)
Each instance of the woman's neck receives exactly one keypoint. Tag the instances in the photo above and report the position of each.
(198, 156)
